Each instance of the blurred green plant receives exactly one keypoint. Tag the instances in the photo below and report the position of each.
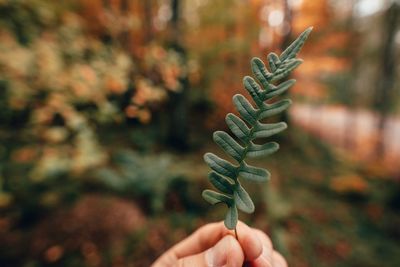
(224, 175)
(138, 175)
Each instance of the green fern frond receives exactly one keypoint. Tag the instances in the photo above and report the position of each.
(248, 127)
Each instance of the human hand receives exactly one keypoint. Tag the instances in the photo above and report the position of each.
(213, 246)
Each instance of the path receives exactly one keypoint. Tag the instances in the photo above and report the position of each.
(353, 130)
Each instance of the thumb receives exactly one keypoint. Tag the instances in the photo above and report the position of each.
(227, 252)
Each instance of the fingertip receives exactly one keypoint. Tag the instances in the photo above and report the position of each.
(249, 241)
(265, 240)
(226, 252)
(279, 260)
(235, 255)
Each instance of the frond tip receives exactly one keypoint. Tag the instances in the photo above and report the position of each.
(248, 127)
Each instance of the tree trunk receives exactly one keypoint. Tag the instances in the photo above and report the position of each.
(286, 41)
(178, 125)
(350, 128)
(287, 22)
(148, 29)
(385, 84)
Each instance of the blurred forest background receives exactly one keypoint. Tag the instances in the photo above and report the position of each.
(107, 106)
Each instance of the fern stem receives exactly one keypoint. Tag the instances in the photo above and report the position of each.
(248, 140)
(246, 146)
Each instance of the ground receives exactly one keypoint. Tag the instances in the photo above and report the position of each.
(319, 208)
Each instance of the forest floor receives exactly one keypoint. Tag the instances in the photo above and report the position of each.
(320, 209)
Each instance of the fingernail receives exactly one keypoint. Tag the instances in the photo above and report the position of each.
(216, 256)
